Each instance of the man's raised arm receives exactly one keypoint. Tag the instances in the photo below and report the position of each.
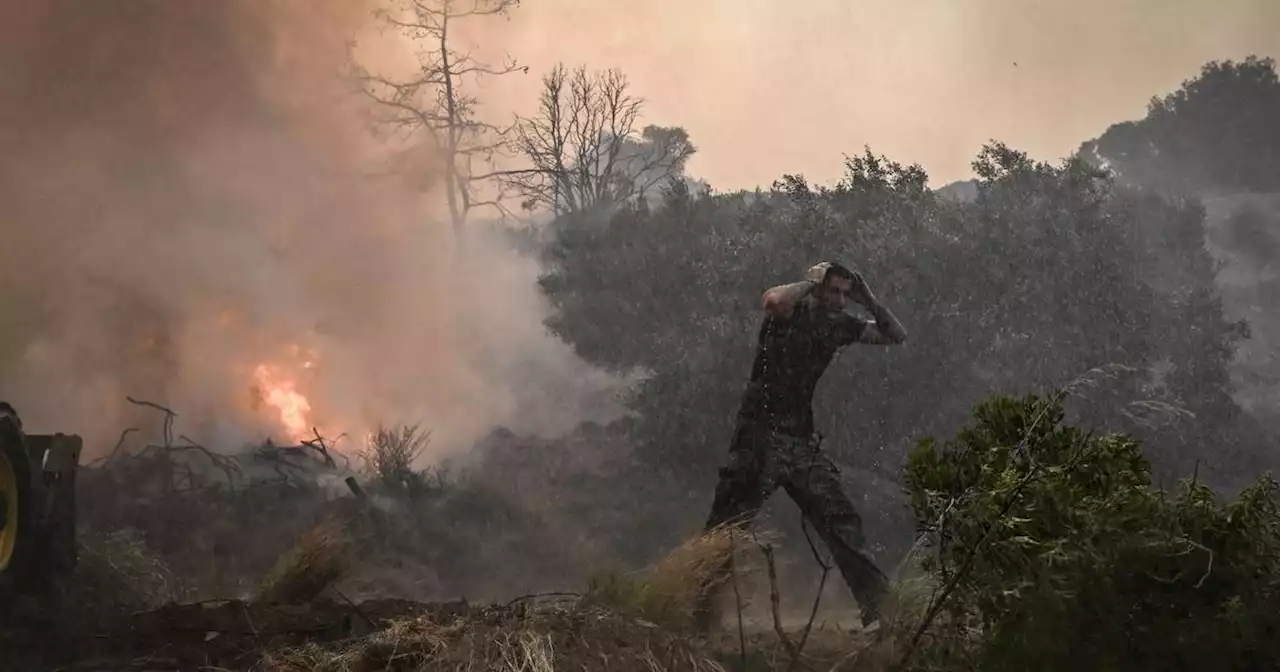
(781, 300)
(886, 329)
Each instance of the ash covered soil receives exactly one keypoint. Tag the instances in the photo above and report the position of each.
(392, 634)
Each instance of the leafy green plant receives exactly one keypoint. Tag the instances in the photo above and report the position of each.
(1054, 552)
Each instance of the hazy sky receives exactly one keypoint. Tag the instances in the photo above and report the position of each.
(766, 87)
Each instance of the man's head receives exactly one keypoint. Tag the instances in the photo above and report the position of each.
(834, 284)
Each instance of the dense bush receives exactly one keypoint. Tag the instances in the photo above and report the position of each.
(1049, 271)
(1060, 555)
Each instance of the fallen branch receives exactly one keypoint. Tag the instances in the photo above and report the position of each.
(105, 460)
(538, 596)
(356, 608)
(274, 454)
(161, 455)
(226, 465)
(318, 444)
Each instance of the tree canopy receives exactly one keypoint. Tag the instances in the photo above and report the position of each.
(1218, 132)
(1050, 272)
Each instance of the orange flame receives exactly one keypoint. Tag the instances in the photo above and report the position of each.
(282, 395)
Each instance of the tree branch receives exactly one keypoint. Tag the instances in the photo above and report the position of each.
(435, 100)
(583, 146)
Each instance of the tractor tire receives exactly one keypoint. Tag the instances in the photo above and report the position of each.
(19, 535)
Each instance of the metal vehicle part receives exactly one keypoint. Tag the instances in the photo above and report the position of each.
(37, 505)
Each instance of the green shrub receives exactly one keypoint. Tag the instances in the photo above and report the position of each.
(1061, 555)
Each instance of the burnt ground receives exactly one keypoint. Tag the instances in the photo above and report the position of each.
(226, 634)
(267, 560)
(392, 634)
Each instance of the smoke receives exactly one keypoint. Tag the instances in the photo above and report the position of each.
(1242, 237)
(766, 88)
(186, 194)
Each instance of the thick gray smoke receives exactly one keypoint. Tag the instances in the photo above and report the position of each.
(1242, 236)
(188, 218)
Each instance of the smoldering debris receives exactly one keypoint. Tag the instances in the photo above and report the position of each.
(182, 465)
(223, 517)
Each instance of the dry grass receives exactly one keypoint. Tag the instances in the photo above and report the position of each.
(117, 572)
(116, 576)
(318, 560)
(667, 593)
(405, 645)
(625, 622)
(507, 641)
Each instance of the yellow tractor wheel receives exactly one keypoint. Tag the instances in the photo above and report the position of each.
(37, 508)
(15, 504)
(10, 508)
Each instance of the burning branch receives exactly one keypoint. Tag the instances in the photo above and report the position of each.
(319, 445)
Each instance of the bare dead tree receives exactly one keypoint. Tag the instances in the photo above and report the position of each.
(582, 146)
(434, 106)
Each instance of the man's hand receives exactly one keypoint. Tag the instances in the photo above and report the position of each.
(861, 292)
(886, 329)
(817, 274)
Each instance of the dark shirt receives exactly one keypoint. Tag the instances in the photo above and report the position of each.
(791, 355)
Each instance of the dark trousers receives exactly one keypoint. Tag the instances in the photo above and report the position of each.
(760, 461)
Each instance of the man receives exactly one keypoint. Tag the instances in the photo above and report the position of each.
(774, 441)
